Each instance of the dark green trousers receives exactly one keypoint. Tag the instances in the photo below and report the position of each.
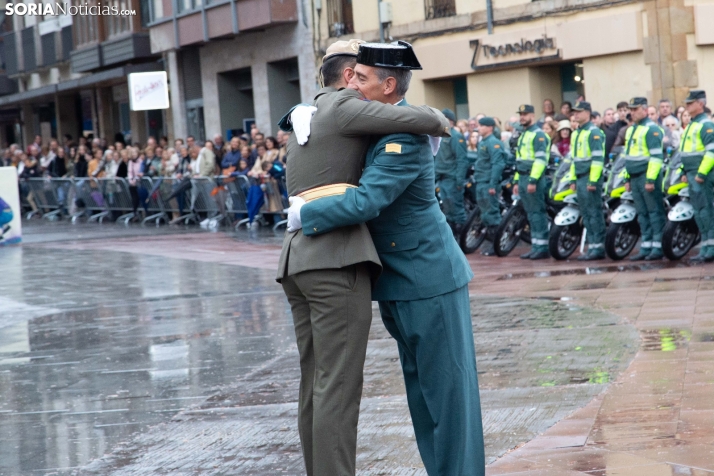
(650, 210)
(452, 198)
(332, 313)
(701, 196)
(436, 349)
(534, 205)
(488, 204)
(590, 204)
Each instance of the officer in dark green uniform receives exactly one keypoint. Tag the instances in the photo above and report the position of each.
(423, 290)
(587, 148)
(532, 154)
(490, 162)
(697, 151)
(643, 154)
(451, 165)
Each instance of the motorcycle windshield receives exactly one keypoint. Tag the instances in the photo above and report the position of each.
(674, 171)
(562, 177)
(618, 174)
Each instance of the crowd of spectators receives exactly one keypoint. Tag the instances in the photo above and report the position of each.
(252, 154)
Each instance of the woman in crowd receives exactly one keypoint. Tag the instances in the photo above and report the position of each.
(168, 168)
(686, 119)
(112, 164)
(257, 170)
(94, 167)
(134, 176)
(672, 132)
(463, 126)
(271, 149)
(80, 162)
(472, 147)
(123, 167)
(563, 142)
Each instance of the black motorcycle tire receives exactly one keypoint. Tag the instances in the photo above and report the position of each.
(564, 240)
(509, 231)
(621, 239)
(678, 238)
(473, 232)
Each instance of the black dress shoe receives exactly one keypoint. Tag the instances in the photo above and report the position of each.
(540, 255)
(527, 255)
(489, 251)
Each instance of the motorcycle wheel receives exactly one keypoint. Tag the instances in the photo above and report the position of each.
(473, 232)
(678, 238)
(510, 229)
(564, 240)
(620, 239)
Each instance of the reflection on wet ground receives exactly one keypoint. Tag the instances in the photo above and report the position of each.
(599, 270)
(101, 351)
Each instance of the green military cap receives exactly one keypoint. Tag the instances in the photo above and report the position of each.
(487, 121)
(449, 114)
(582, 106)
(525, 109)
(637, 102)
(695, 95)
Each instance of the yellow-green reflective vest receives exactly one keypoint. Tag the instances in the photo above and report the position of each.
(691, 147)
(637, 152)
(581, 153)
(528, 161)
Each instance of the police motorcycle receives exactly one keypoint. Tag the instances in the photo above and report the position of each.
(623, 231)
(681, 232)
(514, 224)
(471, 234)
(566, 230)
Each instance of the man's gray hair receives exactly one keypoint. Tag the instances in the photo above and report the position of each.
(703, 101)
(663, 101)
(403, 77)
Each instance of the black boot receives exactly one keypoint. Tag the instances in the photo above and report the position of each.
(490, 251)
(527, 255)
(543, 254)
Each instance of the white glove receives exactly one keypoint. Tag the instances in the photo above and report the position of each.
(300, 118)
(294, 220)
(434, 142)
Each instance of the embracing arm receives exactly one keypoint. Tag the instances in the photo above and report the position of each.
(356, 116)
(381, 183)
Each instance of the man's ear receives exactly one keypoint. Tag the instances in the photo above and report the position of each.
(389, 85)
(348, 74)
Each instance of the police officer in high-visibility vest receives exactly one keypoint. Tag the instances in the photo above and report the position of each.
(643, 153)
(532, 154)
(587, 148)
(450, 166)
(697, 152)
(490, 162)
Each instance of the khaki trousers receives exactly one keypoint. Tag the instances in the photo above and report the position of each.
(332, 312)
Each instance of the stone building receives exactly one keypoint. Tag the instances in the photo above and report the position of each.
(607, 51)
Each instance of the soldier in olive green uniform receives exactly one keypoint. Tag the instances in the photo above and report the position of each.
(587, 148)
(697, 151)
(643, 154)
(423, 294)
(328, 279)
(488, 168)
(451, 165)
(532, 156)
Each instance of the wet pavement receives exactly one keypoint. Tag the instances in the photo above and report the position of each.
(131, 350)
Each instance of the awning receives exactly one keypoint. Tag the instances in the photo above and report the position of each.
(80, 83)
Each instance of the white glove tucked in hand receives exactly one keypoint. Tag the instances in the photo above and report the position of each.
(434, 142)
(294, 220)
(300, 118)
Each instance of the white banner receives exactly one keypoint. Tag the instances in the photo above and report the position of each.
(10, 225)
(148, 91)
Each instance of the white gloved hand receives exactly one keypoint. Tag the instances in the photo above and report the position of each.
(300, 118)
(434, 142)
(294, 220)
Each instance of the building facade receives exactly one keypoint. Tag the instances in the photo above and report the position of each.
(232, 63)
(71, 73)
(607, 51)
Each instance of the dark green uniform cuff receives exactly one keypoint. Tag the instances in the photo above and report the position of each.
(701, 176)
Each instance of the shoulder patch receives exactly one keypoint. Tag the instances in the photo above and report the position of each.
(709, 131)
(461, 140)
(656, 134)
(497, 146)
(393, 148)
(596, 137)
(541, 139)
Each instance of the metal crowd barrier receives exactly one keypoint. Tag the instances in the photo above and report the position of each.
(275, 202)
(166, 200)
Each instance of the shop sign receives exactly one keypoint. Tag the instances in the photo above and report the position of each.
(148, 91)
(523, 50)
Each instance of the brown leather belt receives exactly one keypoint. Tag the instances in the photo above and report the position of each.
(325, 191)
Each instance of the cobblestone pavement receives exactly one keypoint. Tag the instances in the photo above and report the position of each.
(165, 353)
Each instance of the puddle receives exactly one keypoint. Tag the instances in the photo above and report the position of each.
(597, 270)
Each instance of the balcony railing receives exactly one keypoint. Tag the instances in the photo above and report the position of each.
(439, 8)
